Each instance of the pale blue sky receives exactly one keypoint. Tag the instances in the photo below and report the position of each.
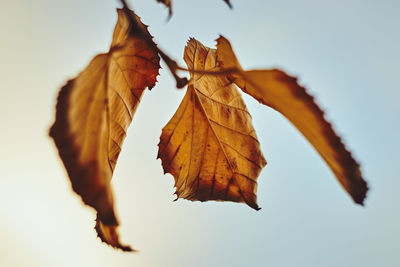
(345, 52)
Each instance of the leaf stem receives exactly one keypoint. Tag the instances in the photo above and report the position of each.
(171, 64)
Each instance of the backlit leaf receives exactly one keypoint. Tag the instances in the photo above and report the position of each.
(281, 92)
(209, 145)
(94, 111)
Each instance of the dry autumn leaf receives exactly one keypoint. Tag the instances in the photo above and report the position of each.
(93, 113)
(209, 145)
(281, 92)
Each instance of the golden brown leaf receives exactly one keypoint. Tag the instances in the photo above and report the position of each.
(209, 145)
(281, 92)
(93, 113)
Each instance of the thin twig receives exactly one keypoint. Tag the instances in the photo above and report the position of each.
(211, 72)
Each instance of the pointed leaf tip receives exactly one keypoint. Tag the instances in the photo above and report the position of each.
(110, 236)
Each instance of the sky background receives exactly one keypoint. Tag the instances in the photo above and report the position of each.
(346, 53)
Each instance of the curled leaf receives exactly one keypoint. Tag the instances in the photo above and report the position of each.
(209, 145)
(281, 92)
(94, 111)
